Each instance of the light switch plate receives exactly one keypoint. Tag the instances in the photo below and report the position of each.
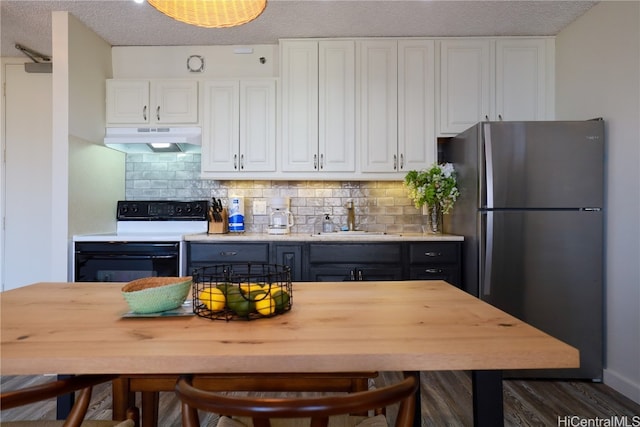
(260, 207)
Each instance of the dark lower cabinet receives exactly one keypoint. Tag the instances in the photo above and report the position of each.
(435, 261)
(340, 261)
(353, 272)
(355, 261)
(202, 254)
(291, 256)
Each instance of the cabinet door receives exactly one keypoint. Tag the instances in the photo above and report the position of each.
(336, 98)
(416, 103)
(128, 101)
(354, 272)
(176, 101)
(378, 129)
(291, 256)
(465, 84)
(299, 77)
(257, 125)
(521, 80)
(221, 130)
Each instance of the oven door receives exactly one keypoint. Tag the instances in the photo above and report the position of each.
(125, 261)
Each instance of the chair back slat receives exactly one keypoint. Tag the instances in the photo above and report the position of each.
(319, 409)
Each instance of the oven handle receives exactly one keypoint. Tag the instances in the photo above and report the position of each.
(128, 257)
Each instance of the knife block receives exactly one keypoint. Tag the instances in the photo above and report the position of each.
(220, 227)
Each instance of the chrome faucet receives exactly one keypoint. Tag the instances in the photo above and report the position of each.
(351, 216)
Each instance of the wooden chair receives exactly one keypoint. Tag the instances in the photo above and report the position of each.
(262, 409)
(126, 386)
(83, 383)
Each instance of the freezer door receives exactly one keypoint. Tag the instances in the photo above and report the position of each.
(543, 164)
(546, 268)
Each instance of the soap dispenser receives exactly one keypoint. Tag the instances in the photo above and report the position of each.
(327, 224)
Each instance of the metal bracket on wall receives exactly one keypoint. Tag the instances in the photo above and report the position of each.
(46, 66)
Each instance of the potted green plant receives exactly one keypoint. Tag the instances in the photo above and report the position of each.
(436, 188)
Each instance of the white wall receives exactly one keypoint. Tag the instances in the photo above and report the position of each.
(82, 62)
(598, 75)
(147, 62)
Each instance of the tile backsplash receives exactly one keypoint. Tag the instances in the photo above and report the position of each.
(381, 206)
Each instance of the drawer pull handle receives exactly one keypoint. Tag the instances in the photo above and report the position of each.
(433, 271)
(229, 253)
(433, 254)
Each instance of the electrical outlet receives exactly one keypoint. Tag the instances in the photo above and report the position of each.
(260, 207)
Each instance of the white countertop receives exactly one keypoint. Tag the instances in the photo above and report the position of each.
(333, 237)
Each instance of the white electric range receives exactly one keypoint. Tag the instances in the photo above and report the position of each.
(149, 241)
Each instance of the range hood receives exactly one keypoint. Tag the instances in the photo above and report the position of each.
(154, 139)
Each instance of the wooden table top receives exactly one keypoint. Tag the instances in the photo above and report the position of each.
(78, 328)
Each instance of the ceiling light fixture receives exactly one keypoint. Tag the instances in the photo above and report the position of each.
(211, 13)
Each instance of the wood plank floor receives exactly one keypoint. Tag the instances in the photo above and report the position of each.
(446, 401)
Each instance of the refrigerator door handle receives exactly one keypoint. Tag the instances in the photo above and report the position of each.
(488, 166)
(485, 280)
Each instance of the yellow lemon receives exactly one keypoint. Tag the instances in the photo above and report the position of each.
(247, 288)
(213, 298)
(266, 306)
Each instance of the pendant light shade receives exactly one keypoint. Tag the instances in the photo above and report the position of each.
(211, 13)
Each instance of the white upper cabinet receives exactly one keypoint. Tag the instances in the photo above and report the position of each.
(416, 104)
(239, 129)
(152, 102)
(396, 120)
(465, 83)
(318, 106)
(495, 79)
(524, 79)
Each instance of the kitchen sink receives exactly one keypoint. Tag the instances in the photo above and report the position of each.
(355, 233)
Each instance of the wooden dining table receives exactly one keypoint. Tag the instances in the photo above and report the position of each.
(82, 328)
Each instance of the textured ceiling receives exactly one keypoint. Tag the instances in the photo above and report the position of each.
(125, 23)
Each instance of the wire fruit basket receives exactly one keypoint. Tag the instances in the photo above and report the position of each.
(241, 291)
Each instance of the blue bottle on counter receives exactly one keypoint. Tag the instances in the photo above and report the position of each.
(236, 214)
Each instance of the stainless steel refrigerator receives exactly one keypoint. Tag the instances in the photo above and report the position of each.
(531, 212)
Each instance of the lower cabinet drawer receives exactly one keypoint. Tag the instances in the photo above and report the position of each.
(379, 253)
(450, 274)
(429, 253)
(210, 254)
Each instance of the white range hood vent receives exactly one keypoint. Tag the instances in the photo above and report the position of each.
(154, 140)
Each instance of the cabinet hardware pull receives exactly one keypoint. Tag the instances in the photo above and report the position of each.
(360, 275)
(395, 162)
(352, 275)
(500, 117)
(235, 161)
(144, 113)
(241, 161)
(433, 270)
(401, 161)
(158, 113)
(486, 118)
(321, 161)
(228, 253)
(432, 254)
(315, 161)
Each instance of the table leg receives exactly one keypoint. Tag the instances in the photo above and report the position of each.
(150, 406)
(417, 414)
(122, 398)
(487, 398)
(65, 402)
